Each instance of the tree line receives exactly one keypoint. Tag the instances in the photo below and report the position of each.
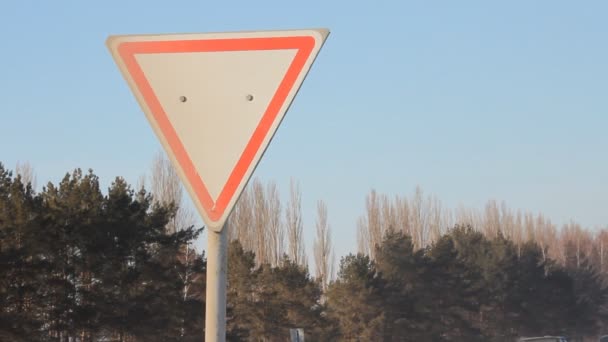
(82, 264)
(426, 219)
(463, 287)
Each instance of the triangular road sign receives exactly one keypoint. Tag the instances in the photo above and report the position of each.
(215, 101)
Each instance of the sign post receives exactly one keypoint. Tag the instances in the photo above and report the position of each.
(215, 100)
(217, 266)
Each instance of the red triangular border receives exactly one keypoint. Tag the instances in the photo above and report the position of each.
(128, 50)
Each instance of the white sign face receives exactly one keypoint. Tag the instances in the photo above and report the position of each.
(215, 101)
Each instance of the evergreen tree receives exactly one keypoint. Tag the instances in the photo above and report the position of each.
(493, 272)
(265, 302)
(78, 264)
(21, 268)
(243, 315)
(449, 297)
(142, 290)
(71, 215)
(295, 297)
(400, 267)
(355, 300)
(589, 302)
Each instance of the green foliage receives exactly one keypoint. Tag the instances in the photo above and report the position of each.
(264, 302)
(21, 266)
(589, 300)
(76, 263)
(355, 300)
(464, 287)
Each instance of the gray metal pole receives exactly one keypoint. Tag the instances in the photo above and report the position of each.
(215, 314)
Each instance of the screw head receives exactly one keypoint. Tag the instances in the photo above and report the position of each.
(249, 97)
(183, 99)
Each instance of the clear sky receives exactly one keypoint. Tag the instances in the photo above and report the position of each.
(471, 100)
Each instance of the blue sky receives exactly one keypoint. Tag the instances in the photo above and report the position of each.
(471, 100)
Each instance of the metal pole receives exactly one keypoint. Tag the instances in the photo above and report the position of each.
(215, 314)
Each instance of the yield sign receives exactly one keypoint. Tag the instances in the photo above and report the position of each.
(215, 101)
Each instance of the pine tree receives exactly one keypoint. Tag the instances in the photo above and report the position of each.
(449, 298)
(589, 302)
(242, 312)
(21, 268)
(355, 300)
(265, 302)
(399, 265)
(493, 269)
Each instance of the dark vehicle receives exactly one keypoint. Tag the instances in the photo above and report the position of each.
(544, 339)
(604, 338)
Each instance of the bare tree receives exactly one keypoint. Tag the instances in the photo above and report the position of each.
(435, 218)
(519, 232)
(425, 220)
(241, 220)
(388, 218)
(465, 217)
(529, 226)
(419, 217)
(560, 249)
(447, 219)
(276, 233)
(256, 222)
(507, 222)
(260, 221)
(26, 172)
(380, 216)
(363, 239)
(373, 222)
(402, 213)
(601, 241)
(491, 226)
(167, 190)
(551, 239)
(293, 220)
(322, 246)
(576, 244)
(141, 182)
(546, 235)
